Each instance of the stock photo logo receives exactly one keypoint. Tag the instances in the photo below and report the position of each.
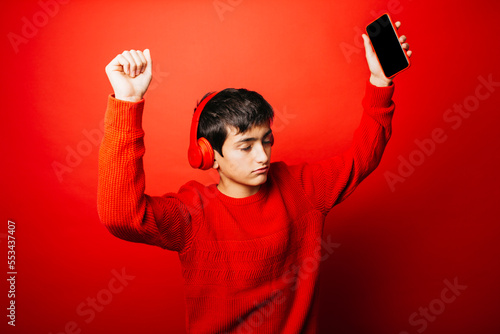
(75, 154)
(454, 116)
(89, 308)
(223, 6)
(32, 25)
(436, 307)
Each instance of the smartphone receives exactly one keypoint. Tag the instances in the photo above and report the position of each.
(385, 41)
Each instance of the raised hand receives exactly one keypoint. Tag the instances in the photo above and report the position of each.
(130, 74)
(377, 77)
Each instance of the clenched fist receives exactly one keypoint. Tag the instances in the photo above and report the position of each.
(130, 74)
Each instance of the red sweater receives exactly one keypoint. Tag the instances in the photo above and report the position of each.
(250, 265)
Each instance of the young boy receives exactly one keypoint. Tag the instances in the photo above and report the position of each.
(250, 246)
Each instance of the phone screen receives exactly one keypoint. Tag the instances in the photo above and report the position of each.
(385, 42)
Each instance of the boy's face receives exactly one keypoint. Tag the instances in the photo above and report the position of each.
(246, 161)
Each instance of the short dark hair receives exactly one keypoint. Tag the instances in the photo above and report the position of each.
(238, 108)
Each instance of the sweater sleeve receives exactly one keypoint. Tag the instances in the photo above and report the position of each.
(329, 182)
(122, 206)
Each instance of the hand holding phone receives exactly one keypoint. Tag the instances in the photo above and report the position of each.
(387, 46)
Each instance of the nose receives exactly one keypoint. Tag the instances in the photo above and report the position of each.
(262, 154)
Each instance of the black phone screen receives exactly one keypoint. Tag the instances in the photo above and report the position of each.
(386, 45)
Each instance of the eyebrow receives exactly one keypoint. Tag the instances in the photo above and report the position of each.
(244, 140)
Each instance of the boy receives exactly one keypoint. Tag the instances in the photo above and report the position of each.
(250, 246)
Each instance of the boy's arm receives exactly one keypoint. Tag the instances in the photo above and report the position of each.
(122, 205)
(329, 182)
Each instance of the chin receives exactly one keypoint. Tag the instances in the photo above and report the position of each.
(261, 179)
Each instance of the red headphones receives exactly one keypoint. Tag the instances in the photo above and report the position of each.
(200, 152)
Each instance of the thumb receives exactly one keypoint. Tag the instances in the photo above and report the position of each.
(368, 45)
(149, 66)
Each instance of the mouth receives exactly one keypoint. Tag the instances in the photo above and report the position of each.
(261, 170)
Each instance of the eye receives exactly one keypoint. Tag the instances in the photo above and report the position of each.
(246, 148)
(269, 140)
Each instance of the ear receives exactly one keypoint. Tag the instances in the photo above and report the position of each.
(216, 156)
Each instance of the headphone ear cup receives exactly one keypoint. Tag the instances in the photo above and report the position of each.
(207, 153)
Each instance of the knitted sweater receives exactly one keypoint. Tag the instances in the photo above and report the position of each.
(250, 265)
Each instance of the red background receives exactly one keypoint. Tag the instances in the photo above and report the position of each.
(397, 245)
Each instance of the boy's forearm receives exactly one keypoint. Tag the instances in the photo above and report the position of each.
(121, 200)
(377, 102)
(330, 181)
(375, 128)
(371, 137)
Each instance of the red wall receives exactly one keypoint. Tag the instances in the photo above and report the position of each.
(421, 222)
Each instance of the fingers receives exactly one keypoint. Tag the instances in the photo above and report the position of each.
(133, 62)
(138, 62)
(405, 45)
(143, 61)
(402, 40)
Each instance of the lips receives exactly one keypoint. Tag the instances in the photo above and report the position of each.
(261, 170)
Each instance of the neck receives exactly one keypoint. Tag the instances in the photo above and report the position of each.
(238, 192)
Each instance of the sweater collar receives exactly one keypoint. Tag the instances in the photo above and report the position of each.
(245, 200)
